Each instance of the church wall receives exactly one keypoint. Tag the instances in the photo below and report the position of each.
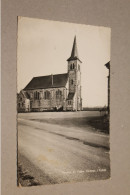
(72, 62)
(72, 77)
(75, 103)
(53, 102)
(75, 82)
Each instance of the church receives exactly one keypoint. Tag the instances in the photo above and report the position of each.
(59, 92)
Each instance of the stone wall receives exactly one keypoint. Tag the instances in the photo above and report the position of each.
(74, 70)
(55, 101)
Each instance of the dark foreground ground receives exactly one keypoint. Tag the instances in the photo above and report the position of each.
(62, 147)
(99, 123)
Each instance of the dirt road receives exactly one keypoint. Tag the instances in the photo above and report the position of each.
(51, 153)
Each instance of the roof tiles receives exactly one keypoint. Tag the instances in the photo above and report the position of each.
(50, 81)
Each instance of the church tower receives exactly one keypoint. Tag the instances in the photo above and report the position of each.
(74, 72)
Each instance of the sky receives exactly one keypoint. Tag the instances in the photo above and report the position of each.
(45, 45)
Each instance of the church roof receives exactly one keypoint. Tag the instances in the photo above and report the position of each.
(74, 53)
(50, 81)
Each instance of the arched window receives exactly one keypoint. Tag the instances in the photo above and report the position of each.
(58, 94)
(72, 82)
(36, 95)
(69, 102)
(47, 95)
(41, 95)
(72, 66)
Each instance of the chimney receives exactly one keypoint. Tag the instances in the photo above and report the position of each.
(52, 79)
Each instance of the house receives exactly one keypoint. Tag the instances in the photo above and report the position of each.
(56, 92)
(23, 101)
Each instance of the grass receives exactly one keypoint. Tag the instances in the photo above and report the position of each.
(101, 123)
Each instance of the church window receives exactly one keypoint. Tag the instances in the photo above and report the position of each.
(72, 66)
(79, 67)
(41, 95)
(69, 102)
(58, 94)
(47, 95)
(36, 95)
(19, 105)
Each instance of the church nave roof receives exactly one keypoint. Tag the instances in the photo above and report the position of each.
(49, 81)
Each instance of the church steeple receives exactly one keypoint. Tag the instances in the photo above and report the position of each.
(74, 79)
(74, 53)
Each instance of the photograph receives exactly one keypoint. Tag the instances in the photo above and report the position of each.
(63, 102)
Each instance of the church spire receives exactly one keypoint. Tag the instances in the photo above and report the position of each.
(74, 53)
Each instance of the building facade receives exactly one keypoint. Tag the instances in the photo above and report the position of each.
(23, 102)
(55, 92)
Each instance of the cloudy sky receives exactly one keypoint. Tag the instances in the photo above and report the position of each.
(44, 46)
